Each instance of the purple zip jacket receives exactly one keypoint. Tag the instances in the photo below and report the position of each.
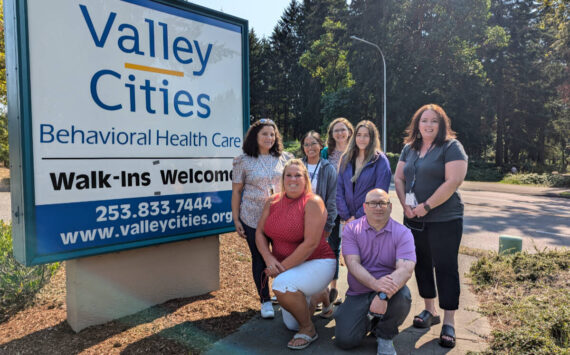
(376, 174)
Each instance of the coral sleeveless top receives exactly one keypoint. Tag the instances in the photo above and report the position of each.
(285, 226)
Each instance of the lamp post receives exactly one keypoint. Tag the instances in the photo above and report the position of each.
(384, 146)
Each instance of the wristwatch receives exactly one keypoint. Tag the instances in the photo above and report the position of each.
(427, 207)
(383, 296)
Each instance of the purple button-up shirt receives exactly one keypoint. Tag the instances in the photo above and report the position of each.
(378, 250)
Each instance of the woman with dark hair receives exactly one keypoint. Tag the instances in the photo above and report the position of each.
(256, 175)
(299, 259)
(432, 166)
(323, 182)
(363, 167)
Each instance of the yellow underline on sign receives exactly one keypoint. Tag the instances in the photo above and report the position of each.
(153, 70)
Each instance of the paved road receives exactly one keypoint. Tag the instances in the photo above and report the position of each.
(541, 221)
(521, 211)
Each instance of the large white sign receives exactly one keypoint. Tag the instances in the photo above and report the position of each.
(137, 109)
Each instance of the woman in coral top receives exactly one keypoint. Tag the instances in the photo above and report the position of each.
(300, 259)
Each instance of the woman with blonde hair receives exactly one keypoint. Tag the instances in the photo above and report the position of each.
(363, 167)
(299, 258)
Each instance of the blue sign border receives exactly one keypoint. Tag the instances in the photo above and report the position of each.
(24, 228)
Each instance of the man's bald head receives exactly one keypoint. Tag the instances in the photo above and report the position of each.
(377, 193)
(377, 208)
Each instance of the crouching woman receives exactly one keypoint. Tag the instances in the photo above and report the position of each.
(300, 259)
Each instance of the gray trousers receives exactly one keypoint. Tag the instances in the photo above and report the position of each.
(352, 322)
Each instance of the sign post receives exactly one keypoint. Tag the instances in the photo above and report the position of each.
(124, 117)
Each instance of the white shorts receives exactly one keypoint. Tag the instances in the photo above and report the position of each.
(310, 277)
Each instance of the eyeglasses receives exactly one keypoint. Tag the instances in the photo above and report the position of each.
(266, 120)
(340, 130)
(376, 204)
(309, 145)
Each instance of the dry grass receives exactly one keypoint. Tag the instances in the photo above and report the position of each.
(179, 326)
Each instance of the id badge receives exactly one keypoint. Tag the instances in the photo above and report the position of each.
(411, 199)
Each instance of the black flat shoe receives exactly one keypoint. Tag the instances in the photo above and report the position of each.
(425, 319)
(448, 331)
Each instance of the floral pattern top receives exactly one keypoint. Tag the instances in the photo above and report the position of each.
(334, 158)
(261, 178)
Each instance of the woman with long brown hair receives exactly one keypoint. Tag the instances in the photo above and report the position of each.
(363, 167)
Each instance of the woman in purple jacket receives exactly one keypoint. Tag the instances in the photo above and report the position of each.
(363, 167)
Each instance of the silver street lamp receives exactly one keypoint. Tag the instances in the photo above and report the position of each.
(384, 146)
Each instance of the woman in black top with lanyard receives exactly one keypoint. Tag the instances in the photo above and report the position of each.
(432, 166)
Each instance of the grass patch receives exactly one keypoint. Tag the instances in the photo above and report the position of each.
(18, 283)
(526, 298)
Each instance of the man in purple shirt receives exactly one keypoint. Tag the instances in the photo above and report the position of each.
(380, 256)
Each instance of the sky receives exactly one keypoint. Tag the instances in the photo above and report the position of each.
(261, 14)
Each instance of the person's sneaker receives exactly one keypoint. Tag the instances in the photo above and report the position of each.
(385, 347)
(267, 310)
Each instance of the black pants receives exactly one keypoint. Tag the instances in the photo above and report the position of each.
(257, 265)
(437, 245)
(352, 322)
(334, 242)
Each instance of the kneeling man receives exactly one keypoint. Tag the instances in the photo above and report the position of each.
(380, 256)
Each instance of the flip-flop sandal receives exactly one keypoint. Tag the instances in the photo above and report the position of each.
(448, 331)
(427, 319)
(305, 337)
(327, 312)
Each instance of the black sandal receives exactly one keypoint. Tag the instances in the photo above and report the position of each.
(448, 331)
(425, 319)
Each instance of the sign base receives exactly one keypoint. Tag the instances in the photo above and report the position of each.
(110, 286)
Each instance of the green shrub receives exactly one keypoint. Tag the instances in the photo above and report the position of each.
(483, 171)
(293, 147)
(550, 180)
(393, 158)
(18, 283)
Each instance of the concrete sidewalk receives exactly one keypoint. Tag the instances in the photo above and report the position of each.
(261, 336)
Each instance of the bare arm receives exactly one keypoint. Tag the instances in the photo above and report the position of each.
(315, 219)
(237, 189)
(354, 265)
(403, 272)
(273, 266)
(390, 284)
(455, 172)
(400, 183)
